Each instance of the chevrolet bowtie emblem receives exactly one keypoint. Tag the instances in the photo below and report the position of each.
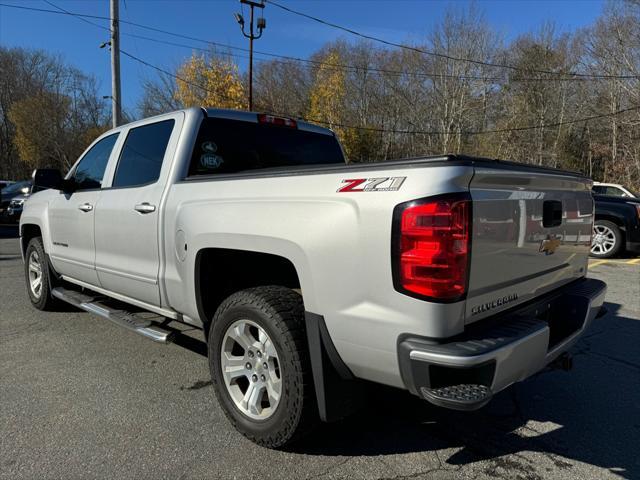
(549, 246)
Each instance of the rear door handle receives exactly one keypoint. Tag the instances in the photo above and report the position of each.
(85, 207)
(145, 207)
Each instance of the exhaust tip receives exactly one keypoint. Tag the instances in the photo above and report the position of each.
(563, 362)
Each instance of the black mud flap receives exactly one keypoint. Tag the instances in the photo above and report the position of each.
(338, 392)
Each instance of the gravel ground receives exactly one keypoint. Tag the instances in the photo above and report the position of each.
(82, 398)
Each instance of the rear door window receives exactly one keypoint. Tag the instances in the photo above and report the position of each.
(230, 146)
(614, 192)
(142, 154)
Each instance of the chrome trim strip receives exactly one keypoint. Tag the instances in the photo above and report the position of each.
(72, 262)
(152, 281)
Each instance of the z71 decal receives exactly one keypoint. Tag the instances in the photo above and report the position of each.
(382, 184)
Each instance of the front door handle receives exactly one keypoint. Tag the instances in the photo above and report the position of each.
(145, 207)
(85, 207)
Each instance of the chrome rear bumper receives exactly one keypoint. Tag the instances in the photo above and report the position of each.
(463, 372)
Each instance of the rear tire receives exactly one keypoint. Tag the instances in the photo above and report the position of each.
(607, 239)
(38, 276)
(260, 367)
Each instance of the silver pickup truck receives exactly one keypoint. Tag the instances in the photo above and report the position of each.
(451, 277)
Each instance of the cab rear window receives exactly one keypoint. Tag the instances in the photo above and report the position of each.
(229, 146)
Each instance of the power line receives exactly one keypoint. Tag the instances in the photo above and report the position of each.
(445, 56)
(356, 68)
(394, 131)
(133, 35)
(62, 11)
(289, 59)
(79, 17)
(479, 132)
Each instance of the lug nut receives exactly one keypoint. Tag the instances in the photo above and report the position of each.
(263, 378)
(248, 366)
(250, 354)
(265, 366)
(254, 377)
(259, 354)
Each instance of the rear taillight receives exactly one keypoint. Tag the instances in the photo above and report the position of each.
(431, 247)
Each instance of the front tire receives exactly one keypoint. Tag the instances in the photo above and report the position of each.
(260, 367)
(607, 239)
(37, 275)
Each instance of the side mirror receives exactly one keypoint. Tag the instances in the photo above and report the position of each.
(44, 178)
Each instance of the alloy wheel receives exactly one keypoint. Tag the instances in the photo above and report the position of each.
(604, 239)
(35, 274)
(251, 370)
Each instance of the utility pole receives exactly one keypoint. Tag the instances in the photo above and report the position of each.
(116, 112)
(262, 24)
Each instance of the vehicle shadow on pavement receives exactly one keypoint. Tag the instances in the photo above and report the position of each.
(590, 415)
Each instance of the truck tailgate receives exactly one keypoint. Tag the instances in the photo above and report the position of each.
(531, 234)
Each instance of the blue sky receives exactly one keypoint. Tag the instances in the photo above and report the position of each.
(286, 34)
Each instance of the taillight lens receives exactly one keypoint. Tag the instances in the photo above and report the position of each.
(431, 246)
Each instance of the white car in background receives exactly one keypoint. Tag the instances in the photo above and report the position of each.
(612, 189)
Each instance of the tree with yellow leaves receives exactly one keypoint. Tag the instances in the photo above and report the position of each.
(41, 146)
(329, 103)
(209, 81)
(327, 95)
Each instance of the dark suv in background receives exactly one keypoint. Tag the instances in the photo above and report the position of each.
(12, 198)
(617, 224)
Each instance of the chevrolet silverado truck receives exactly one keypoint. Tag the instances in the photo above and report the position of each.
(451, 277)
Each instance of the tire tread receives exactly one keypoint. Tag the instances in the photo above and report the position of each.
(285, 311)
(46, 302)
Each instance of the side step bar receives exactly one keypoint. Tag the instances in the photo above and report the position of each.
(131, 321)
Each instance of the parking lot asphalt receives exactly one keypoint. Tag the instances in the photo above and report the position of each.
(82, 398)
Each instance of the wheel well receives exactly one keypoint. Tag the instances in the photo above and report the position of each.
(220, 272)
(28, 232)
(612, 219)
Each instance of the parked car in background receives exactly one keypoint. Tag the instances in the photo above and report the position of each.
(613, 190)
(5, 183)
(12, 199)
(617, 226)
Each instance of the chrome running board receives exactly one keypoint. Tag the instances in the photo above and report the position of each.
(131, 321)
